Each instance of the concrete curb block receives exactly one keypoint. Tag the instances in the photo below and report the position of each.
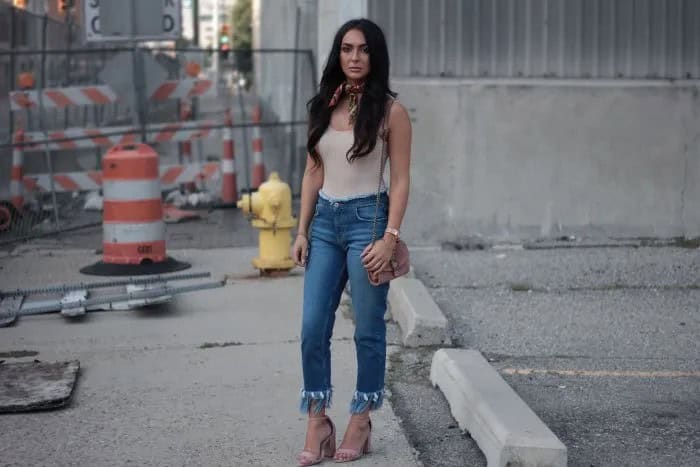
(508, 432)
(421, 321)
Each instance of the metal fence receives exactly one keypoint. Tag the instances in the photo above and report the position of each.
(633, 39)
(68, 141)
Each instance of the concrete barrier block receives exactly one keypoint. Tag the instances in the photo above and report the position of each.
(421, 321)
(508, 432)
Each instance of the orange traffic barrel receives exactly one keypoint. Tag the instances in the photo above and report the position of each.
(16, 187)
(258, 161)
(132, 219)
(229, 190)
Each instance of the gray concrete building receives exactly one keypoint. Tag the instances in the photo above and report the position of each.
(532, 118)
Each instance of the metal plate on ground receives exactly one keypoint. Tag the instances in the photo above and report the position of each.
(9, 309)
(30, 386)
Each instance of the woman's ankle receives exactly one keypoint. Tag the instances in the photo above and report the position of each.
(315, 411)
(361, 417)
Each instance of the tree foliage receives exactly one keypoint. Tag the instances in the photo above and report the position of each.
(242, 25)
(242, 29)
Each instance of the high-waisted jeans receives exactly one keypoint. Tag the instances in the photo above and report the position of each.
(340, 231)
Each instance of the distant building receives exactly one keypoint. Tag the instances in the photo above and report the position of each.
(27, 22)
(208, 36)
(54, 8)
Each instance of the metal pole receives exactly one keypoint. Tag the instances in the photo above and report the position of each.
(12, 79)
(194, 114)
(215, 56)
(42, 118)
(246, 150)
(138, 75)
(195, 20)
(69, 24)
(292, 163)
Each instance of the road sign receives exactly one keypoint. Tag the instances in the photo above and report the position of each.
(171, 23)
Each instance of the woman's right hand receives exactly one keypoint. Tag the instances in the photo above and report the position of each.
(300, 250)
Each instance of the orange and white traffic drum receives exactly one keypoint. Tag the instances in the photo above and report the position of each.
(132, 220)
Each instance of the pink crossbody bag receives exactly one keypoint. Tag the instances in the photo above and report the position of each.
(400, 263)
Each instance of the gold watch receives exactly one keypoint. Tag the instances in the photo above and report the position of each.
(394, 232)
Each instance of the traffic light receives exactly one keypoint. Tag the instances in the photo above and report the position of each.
(224, 46)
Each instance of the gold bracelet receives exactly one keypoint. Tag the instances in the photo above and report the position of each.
(393, 232)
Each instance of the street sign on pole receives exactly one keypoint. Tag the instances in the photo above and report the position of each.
(150, 27)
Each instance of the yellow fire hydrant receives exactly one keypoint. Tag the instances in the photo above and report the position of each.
(271, 207)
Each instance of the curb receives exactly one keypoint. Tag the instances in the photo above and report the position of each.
(421, 321)
(507, 431)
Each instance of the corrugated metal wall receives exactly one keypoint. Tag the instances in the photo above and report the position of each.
(542, 38)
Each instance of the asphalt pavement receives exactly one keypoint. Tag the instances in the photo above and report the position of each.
(602, 343)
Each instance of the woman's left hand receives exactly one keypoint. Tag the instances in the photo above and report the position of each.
(375, 256)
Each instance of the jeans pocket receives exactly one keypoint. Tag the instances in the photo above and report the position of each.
(367, 213)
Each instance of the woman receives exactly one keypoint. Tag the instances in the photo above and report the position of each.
(351, 119)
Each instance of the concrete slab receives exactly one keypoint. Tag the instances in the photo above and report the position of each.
(30, 386)
(212, 378)
(422, 323)
(508, 432)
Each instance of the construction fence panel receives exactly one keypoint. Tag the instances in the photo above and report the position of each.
(187, 121)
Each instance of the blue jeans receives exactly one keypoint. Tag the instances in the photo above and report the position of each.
(340, 231)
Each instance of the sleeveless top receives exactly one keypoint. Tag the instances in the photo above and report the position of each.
(343, 180)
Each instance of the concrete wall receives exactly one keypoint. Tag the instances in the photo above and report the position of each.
(521, 159)
(274, 26)
(331, 15)
(524, 159)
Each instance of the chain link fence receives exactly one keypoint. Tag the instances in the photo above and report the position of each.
(59, 157)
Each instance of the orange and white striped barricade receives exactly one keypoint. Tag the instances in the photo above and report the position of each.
(186, 146)
(229, 189)
(63, 97)
(173, 175)
(132, 220)
(16, 185)
(104, 94)
(82, 138)
(258, 162)
(188, 87)
(170, 176)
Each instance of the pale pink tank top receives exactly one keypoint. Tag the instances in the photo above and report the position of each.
(343, 180)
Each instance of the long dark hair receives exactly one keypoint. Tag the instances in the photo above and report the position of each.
(374, 97)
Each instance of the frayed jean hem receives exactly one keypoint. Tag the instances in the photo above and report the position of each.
(322, 400)
(361, 401)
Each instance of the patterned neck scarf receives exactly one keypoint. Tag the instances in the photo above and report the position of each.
(353, 91)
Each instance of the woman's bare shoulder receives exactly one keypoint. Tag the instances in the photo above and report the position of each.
(398, 115)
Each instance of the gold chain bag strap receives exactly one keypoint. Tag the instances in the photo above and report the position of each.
(400, 262)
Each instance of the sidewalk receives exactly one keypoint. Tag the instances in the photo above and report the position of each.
(212, 378)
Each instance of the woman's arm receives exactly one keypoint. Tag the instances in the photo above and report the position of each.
(376, 255)
(311, 184)
(400, 133)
